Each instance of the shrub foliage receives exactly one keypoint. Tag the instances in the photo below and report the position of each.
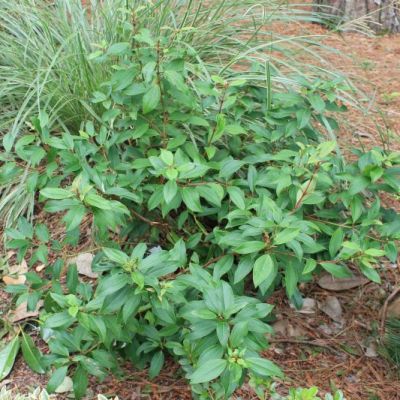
(204, 193)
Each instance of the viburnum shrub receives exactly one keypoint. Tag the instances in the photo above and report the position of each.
(204, 194)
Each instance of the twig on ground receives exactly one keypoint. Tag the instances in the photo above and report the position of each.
(385, 307)
(306, 342)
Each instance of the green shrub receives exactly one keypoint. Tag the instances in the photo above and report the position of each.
(204, 193)
(46, 64)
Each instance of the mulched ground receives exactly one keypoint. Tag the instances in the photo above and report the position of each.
(329, 361)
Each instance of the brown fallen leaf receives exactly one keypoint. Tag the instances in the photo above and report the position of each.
(40, 267)
(21, 312)
(309, 306)
(66, 386)
(332, 307)
(19, 280)
(329, 282)
(84, 265)
(285, 328)
(18, 269)
(393, 310)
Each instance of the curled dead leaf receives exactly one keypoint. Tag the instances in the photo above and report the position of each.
(84, 265)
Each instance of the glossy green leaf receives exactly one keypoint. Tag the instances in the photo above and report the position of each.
(80, 382)
(31, 354)
(263, 367)
(336, 242)
(115, 255)
(156, 364)
(237, 197)
(208, 371)
(191, 198)
(170, 190)
(7, 357)
(57, 379)
(56, 193)
(151, 99)
(285, 236)
(264, 268)
(337, 270)
(250, 247)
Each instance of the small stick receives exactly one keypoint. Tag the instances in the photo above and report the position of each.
(385, 307)
(306, 342)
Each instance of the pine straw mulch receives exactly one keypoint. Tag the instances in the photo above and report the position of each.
(315, 358)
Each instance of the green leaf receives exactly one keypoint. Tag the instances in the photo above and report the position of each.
(7, 357)
(356, 207)
(42, 233)
(156, 364)
(291, 279)
(264, 268)
(57, 379)
(192, 199)
(208, 371)
(213, 193)
(311, 264)
(58, 320)
(74, 216)
(72, 278)
(223, 332)
(117, 49)
(151, 99)
(239, 333)
(336, 242)
(316, 102)
(56, 193)
(80, 382)
(94, 200)
(370, 273)
(31, 354)
(250, 247)
(243, 269)
(112, 284)
(337, 270)
(358, 184)
(223, 266)
(237, 197)
(176, 79)
(263, 367)
(170, 190)
(167, 156)
(285, 236)
(115, 255)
